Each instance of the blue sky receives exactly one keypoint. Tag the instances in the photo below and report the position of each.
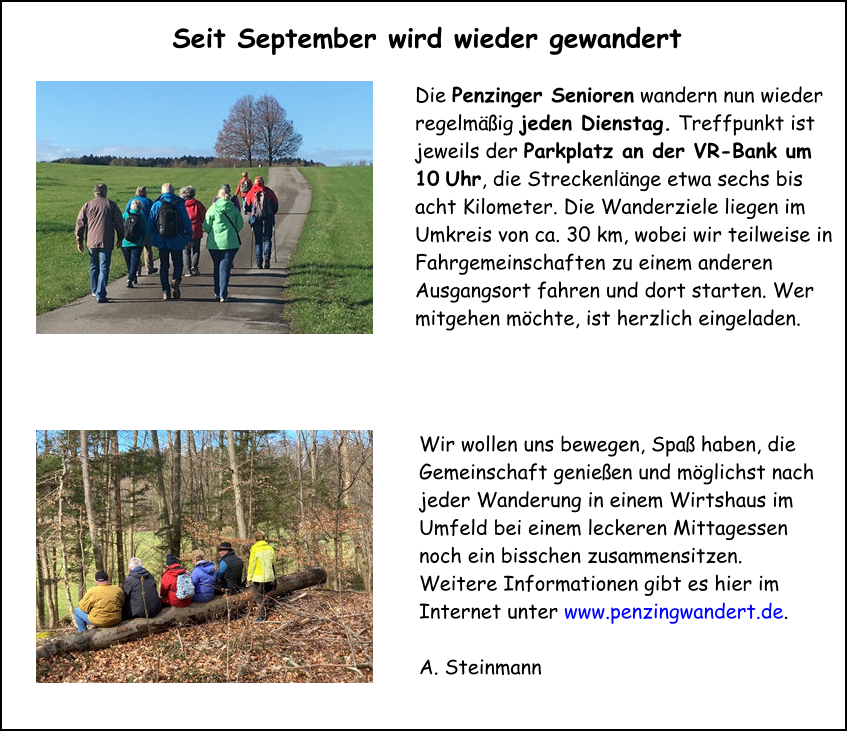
(173, 118)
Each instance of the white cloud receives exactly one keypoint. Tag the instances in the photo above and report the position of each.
(330, 156)
(49, 150)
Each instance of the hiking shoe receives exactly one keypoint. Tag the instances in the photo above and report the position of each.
(267, 263)
(102, 301)
(129, 285)
(223, 299)
(152, 271)
(166, 295)
(188, 273)
(175, 289)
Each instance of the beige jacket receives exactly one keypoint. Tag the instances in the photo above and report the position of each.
(98, 222)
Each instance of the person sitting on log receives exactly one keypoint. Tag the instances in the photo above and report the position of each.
(176, 591)
(101, 605)
(228, 579)
(203, 577)
(142, 599)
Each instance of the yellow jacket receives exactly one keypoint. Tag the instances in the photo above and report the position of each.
(261, 566)
(102, 603)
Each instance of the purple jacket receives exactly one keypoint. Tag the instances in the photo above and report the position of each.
(203, 577)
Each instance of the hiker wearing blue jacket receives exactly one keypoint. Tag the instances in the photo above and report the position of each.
(146, 205)
(203, 577)
(170, 227)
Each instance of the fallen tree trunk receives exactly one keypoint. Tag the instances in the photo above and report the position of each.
(98, 638)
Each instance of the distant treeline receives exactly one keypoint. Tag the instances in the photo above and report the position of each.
(186, 161)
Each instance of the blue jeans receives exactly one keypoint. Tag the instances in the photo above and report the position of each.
(132, 254)
(263, 231)
(100, 260)
(165, 258)
(81, 620)
(222, 259)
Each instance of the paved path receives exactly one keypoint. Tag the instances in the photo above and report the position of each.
(255, 304)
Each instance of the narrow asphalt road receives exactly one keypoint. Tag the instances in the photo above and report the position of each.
(255, 304)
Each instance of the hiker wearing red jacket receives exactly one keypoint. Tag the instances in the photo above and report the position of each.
(242, 189)
(168, 586)
(262, 205)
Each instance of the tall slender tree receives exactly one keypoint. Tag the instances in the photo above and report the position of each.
(164, 514)
(93, 524)
(236, 485)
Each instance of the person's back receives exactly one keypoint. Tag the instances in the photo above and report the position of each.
(230, 570)
(102, 603)
(261, 567)
(142, 598)
(97, 219)
(222, 224)
(176, 237)
(203, 577)
(170, 581)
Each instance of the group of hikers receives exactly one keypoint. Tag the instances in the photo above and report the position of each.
(175, 225)
(105, 605)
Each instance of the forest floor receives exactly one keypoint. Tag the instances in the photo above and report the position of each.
(311, 637)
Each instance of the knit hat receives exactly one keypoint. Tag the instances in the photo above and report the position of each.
(225, 546)
(170, 560)
(101, 576)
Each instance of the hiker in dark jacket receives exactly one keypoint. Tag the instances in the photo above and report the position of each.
(230, 570)
(142, 599)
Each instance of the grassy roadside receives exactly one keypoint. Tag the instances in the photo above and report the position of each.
(330, 286)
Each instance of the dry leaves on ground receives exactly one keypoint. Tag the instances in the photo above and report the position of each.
(312, 637)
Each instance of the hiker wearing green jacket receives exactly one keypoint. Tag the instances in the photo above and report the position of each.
(222, 223)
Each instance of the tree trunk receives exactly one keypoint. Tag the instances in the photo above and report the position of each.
(164, 516)
(314, 456)
(96, 639)
(81, 587)
(52, 617)
(89, 500)
(39, 590)
(119, 529)
(65, 578)
(176, 493)
(132, 494)
(236, 488)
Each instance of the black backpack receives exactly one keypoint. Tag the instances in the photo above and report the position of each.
(167, 219)
(133, 228)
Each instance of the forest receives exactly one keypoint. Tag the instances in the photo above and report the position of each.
(105, 496)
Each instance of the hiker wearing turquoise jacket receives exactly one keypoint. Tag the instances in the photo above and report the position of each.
(136, 231)
(170, 227)
(222, 224)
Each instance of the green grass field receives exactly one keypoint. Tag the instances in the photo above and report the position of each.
(330, 287)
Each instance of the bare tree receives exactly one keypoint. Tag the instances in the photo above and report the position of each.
(89, 500)
(164, 515)
(258, 128)
(176, 492)
(276, 138)
(238, 136)
(236, 487)
(119, 529)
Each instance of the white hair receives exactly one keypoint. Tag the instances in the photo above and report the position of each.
(167, 188)
(134, 563)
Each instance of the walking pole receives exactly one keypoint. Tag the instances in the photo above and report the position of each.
(274, 239)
